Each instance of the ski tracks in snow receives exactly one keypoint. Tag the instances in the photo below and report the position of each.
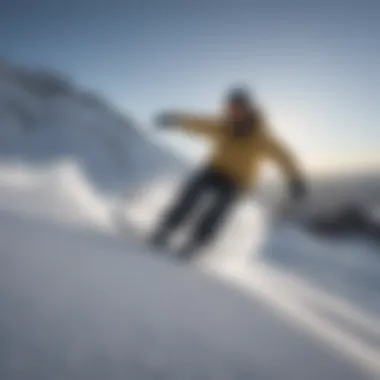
(352, 332)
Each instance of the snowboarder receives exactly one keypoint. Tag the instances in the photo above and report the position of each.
(241, 141)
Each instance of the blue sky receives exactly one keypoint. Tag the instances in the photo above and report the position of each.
(313, 65)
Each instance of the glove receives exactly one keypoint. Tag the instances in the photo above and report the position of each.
(298, 189)
(166, 120)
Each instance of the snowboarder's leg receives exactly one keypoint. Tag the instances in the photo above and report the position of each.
(181, 209)
(212, 220)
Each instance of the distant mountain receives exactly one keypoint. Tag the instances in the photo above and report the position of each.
(45, 117)
(351, 220)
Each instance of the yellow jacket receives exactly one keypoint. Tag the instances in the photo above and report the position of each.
(240, 158)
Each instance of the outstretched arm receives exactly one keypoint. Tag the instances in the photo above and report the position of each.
(205, 126)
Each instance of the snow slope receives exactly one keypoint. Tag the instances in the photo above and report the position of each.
(82, 298)
(78, 302)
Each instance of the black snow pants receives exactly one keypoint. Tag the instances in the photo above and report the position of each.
(222, 193)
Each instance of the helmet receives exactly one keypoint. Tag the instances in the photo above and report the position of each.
(239, 95)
